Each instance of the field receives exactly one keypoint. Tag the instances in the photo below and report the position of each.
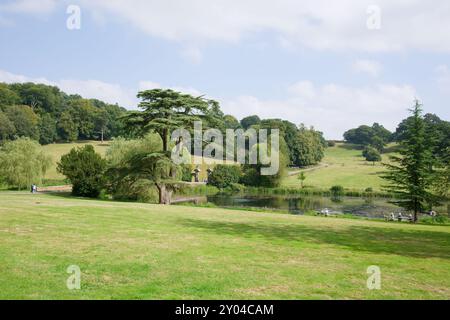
(343, 165)
(139, 251)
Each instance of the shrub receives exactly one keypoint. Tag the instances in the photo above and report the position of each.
(186, 172)
(140, 191)
(85, 169)
(331, 143)
(371, 154)
(337, 191)
(224, 176)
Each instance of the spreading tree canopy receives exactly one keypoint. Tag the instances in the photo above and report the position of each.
(165, 110)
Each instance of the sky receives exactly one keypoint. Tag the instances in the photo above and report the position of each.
(329, 64)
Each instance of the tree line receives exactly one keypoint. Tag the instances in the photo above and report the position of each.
(47, 114)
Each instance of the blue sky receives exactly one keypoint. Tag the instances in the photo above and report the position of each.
(314, 62)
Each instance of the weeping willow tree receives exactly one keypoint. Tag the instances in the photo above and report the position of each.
(22, 162)
(156, 168)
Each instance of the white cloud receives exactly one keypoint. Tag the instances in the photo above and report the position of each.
(108, 92)
(8, 77)
(443, 78)
(331, 108)
(95, 89)
(192, 54)
(370, 67)
(111, 93)
(29, 6)
(319, 24)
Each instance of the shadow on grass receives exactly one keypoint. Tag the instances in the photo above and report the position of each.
(408, 243)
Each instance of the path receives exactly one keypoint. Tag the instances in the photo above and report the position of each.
(320, 166)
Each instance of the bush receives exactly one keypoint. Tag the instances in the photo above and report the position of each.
(331, 143)
(225, 176)
(140, 191)
(337, 191)
(85, 169)
(186, 172)
(371, 154)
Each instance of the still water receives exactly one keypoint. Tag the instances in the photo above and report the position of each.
(364, 207)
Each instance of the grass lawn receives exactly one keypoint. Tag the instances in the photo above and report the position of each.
(345, 166)
(140, 251)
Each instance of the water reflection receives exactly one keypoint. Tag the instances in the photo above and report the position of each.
(368, 207)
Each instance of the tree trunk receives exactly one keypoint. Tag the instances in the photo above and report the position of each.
(165, 140)
(165, 195)
(102, 135)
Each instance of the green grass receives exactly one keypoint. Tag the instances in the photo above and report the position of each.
(139, 251)
(57, 150)
(345, 166)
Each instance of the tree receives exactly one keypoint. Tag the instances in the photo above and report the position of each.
(410, 175)
(231, 122)
(252, 172)
(47, 129)
(376, 136)
(85, 169)
(101, 123)
(309, 147)
(156, 168)
(381, 132)
(8, 97)
(25, 121)
(224, 176)
(247, 122)
(288, 131)
(302, 178)
(372, 155)
(7, 129)
(22, 162)
(361, 135)
(165, 110)
(41, 98)
(67, 128)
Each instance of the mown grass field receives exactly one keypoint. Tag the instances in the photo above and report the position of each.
(139, 251)
(343, 165)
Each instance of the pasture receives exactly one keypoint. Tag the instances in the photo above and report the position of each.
(142, 251)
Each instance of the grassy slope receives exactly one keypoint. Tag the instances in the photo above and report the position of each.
(129, 250)
(346, 167)
(56, 150)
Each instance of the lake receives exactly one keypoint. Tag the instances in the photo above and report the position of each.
(365, 207)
